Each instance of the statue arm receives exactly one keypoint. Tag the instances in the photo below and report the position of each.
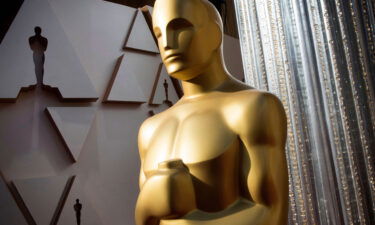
(141, 214)
(264, 137)
(142, 151)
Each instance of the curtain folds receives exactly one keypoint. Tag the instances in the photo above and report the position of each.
(318, 57)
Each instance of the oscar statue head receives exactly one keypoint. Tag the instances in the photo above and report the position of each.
(189, 34)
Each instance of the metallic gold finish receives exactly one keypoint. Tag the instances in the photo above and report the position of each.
(218, 155)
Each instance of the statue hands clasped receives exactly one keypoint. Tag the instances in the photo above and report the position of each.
(168, 193)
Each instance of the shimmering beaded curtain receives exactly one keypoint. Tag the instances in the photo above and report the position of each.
(318, 56)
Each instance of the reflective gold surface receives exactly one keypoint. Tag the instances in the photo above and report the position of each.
(216, 156)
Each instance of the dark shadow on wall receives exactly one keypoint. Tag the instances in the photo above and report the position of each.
(38, 45)
(133, 3)
(8, 11)
(77, 209)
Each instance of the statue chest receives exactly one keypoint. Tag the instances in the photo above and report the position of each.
(194, 137)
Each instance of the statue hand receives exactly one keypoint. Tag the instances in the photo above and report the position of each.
(168, 193)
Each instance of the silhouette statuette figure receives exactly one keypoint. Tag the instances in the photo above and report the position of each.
(165, 84)
(216, 157)
(38, 45)
(166, 101)
(78, 209)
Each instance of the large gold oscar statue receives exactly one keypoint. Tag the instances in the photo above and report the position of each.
(217, 156)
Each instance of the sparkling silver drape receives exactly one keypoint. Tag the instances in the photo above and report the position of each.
(318, 56)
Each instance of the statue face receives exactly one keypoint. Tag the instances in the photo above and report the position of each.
(187, 38)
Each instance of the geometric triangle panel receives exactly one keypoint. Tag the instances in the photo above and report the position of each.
(10, 214)
(140, 36)
(133, 78)
(42, 196)
(124, 86)
(73, 124)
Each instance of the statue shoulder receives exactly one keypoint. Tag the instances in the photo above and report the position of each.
(148, 128)
(267, 105)
(261, 98)
(253, 98)
(145, 133)
(254, 107)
